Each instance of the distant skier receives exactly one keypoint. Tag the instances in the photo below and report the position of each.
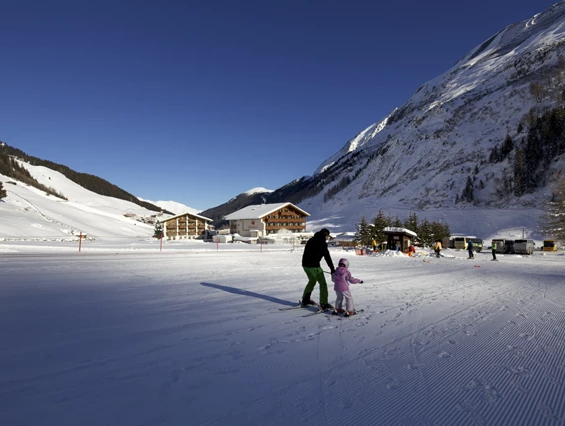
(494, 250)
(437, 248)
(316, 248)
(342, 278)
(470, 250)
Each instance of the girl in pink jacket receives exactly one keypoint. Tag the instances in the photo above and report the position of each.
(342, 278)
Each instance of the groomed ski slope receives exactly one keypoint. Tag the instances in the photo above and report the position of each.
(196, 337)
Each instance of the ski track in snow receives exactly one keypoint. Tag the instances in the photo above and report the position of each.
(155, 340)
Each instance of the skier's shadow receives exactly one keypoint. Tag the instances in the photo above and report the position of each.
(249, 293)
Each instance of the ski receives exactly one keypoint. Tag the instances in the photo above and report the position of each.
(346, 315)
(288, 308)
(300, 305)
(319, 311)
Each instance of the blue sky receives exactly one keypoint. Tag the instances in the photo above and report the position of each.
(198, 101)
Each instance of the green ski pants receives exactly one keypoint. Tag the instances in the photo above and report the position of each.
(316, 275)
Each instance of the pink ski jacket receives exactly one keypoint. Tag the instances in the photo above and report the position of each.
(341, 277)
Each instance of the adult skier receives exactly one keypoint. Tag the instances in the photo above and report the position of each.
(437, 248)
(316, 248)
(470, 250)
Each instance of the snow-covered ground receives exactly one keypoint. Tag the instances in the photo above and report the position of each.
(122, 333)
(195, 336)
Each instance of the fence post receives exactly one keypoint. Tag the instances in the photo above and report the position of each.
(80, 242)
(161, 244)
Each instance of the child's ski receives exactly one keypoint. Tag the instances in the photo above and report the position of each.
(346, 314)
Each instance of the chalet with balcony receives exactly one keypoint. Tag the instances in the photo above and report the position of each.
(185, 226)
(264, 219)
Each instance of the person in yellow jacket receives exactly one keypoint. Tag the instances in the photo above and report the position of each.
(437, 247)
(494, 250)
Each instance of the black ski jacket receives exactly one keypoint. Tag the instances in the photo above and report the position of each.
(315, 249)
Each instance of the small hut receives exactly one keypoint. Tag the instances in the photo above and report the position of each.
(400, 237)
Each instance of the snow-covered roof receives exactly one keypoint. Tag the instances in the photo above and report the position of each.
(258, 211)
(391, 229)
(189, 214)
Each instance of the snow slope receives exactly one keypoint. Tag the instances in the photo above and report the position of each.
(31, 213)
(197, 338)
(173, 206)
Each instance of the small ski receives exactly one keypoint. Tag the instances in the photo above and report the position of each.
(346, 315)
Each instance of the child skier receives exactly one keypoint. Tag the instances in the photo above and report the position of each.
(342, 277)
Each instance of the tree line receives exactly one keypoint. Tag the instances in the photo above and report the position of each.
(553, 220)
(10, 167)
(427, 231)
(530, 159)
(88, 181)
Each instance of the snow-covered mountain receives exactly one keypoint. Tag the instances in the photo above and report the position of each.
(173, 206)
(420, 157)
(258, 190)
(29, 213)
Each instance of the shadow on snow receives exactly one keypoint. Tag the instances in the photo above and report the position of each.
(249, 293)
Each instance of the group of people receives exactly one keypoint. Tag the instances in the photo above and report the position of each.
(316, 249)
(437, 248)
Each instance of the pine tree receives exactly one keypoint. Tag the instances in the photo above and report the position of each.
(425, 235)
(158, 231)
(380, 222)
(440, 230)
(363, 233)
(553, 222)
(3, 193)
(519, 184)
(507, 146)
(412, 222)
(467, 194)
(495, 156)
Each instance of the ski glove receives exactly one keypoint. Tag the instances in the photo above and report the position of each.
(361, 282)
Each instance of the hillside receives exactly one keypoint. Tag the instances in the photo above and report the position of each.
(93, 183)
(439, 154)
(29, 213)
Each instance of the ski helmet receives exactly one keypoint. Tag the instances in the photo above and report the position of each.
(343, 261)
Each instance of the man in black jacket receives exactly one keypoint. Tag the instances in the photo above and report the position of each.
(316, 248)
